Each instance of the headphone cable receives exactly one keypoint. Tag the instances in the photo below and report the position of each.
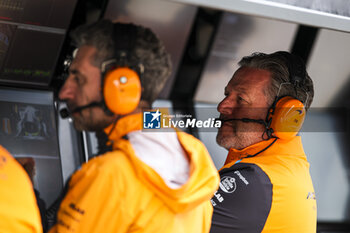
(250, 156)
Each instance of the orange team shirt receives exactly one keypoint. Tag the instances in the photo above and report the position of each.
(18, 209)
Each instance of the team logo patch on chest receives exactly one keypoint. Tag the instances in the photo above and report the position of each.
(228, 184)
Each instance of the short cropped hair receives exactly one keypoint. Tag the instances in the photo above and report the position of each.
(147, 50)
(279, 65)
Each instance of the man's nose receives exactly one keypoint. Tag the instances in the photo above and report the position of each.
(67, 91)
(226, 106)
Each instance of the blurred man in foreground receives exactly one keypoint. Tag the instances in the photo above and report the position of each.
(18, 209)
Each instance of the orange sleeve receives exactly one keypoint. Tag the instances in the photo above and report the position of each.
(93, 203)
(18, 209)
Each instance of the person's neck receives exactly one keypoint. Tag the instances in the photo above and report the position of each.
(102, 142)
(246, 143)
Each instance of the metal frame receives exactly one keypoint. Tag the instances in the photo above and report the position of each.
(278, 11)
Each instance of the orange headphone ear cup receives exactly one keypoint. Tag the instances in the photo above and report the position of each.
(122, 90)
(287, 118)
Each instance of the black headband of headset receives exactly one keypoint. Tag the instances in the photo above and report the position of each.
(296, 68)
(124, 37)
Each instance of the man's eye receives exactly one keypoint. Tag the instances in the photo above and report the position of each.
(241, 100)
(77, 79)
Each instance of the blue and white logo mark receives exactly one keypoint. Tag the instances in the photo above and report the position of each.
(151, 120)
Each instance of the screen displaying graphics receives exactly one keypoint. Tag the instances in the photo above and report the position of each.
(6, 32)
(50, 13)
(28, 123)
(28, 56)
(28, 131)
(11, 10)
(32, 33)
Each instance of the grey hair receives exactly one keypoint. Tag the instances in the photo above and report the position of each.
(279, 69)
(148, 51)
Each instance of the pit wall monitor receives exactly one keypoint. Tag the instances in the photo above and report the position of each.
(28, 130)
(31, 36)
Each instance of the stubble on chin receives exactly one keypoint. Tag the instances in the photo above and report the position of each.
(225, 138)
(91, 122)
(233, 138)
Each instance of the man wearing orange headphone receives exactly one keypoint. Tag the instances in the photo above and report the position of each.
(265, 183)
(143, 181)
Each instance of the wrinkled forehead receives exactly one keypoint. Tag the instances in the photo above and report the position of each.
(84, 54)
(247, 78)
